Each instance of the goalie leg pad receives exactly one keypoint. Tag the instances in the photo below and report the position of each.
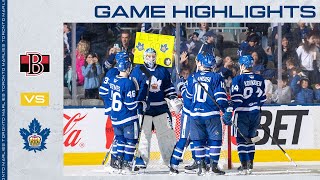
(165, 135)
(215, 148)
(145, 139)
(176, 157)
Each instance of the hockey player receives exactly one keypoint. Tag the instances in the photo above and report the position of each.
(247, 95)
(121, 105)
(205, 126)
(158, 115)
(103, 92)
(184, 140)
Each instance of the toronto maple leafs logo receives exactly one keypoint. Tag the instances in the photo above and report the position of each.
(155, 84)
(164, 47)
(35, 138)
(140, 46)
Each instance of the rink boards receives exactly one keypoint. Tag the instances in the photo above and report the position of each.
(296, 128)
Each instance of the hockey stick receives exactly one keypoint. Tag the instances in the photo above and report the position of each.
(108, 152)
(147, 73)
(274, 140)
(252, 140)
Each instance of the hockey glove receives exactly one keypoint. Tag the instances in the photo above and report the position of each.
(176, 104)
(227, 116)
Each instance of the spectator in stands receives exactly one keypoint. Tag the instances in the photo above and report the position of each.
(300, 33)
(67, 36)
(257, 68)
(91, 71)
(226, 70)
(124, 44)
(203, 28)
(304, 94)
(283, 96)
(66, 67)
(209, 45)
(268, 75)
(81, 52)
(194, 44)
(273, 39)
(308, 55)
(244, 48)
(170, 29)
(317, 92)
(296, 75)
(288, 51)
(255, 47)
(314, 28)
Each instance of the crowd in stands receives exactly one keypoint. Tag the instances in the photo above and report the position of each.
(97, 44)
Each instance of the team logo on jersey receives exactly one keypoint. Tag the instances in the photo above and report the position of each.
(251, 76)
(34, 63)
(155, 84)
(164, 48)
(140, 46)
(34, 138)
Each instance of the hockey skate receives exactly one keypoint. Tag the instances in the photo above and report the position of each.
(201, 171)
(250, 166)
(174, 169)
(111, 167)
(192, 168)
(127, 169)
(215, 170)
(243, 169)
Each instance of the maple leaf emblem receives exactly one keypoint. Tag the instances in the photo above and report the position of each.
(164, 47)
(34, 138)
(140, 46)
(155, 84)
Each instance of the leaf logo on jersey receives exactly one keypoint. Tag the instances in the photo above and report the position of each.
(155, 84)
(35, 138)
(251, 76)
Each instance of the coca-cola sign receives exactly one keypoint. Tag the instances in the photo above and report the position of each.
(73, 135)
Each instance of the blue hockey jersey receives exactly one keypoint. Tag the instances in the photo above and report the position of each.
(161, 87)
(122, 95)
(202, 106)
(248, 92)
(103, 90)
(187, 98)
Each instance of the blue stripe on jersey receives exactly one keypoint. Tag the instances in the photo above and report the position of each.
(248, 92)
(203, 107)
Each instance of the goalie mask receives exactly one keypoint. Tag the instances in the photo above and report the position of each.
(149, 58)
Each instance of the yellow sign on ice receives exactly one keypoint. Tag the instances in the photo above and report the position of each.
(162, 44)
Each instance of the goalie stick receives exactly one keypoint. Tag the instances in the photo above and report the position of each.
(136, 153)
(252, 140)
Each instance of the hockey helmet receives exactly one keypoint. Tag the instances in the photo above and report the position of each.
(149, 57)
(122, 55)
(123, 64)
(207, 60)
(246, 60)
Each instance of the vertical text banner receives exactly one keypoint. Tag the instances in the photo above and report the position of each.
(162, 44)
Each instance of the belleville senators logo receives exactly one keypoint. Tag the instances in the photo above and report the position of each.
(34, 63)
